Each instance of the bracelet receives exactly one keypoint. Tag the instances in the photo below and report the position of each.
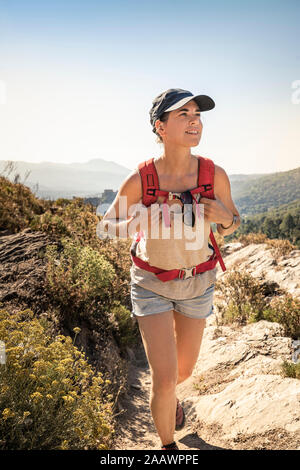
(233, 220)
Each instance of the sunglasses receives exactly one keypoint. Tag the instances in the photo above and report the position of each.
(187, 208)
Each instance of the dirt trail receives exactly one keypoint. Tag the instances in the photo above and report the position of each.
(135, 428)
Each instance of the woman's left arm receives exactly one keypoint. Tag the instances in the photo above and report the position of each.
(221, 209)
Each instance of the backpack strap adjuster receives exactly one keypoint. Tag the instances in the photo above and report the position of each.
(151, 191)
(207, 187)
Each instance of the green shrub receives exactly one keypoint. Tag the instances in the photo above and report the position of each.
(50, 223)
(255, 238)
(50, 397)
(71, 218)
(62, 202)
(18, 205)
(279, 247)
(285, 310)
(290, 369)
(125, 330)
(244, 298)
(78, 275)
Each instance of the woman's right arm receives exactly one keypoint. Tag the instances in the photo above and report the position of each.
(119, 215)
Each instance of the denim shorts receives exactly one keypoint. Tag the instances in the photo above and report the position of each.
(145, 302)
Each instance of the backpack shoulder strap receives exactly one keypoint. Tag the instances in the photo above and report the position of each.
(206, 174)
(149, 180)
(206, 179)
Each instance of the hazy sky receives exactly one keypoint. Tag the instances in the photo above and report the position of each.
(77, 79)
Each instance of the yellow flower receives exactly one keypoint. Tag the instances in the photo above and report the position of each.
(7, 413)
(36, 396)
(39, 365)
(68, 399)
(79, 432)
(50, 397)
(104, 429)
(64, 445)
(66, 381)
(102, 447)
(76, 330)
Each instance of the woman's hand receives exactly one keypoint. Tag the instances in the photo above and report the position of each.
(215, 211)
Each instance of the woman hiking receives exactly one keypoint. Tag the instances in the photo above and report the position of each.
(172, 279)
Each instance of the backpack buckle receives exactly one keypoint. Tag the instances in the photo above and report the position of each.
(187, 272)
(172, 194)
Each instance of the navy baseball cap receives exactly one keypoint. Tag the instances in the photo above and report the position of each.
(174, 98)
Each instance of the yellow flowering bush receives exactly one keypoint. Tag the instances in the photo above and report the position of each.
(50, 397)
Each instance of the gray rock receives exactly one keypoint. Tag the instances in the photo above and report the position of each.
(246, 392)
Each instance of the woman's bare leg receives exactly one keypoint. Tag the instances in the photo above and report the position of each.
(188, 333)
(157, 332)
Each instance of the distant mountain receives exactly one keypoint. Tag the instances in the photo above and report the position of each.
(99, 164)
(280, 222)
(252, 194)
(261, 194)
(244, 178)
(68, 180)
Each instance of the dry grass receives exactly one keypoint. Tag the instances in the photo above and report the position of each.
(244, 299)
(18, 206)
(279, 247)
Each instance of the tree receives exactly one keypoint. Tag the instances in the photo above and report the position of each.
(269, 227)
(287, 225)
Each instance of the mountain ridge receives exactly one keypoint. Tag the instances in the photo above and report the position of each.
(252, 194)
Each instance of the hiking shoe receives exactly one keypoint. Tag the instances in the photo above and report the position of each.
(180, 416)
(172, 446)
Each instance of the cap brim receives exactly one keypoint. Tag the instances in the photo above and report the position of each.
(204, 102)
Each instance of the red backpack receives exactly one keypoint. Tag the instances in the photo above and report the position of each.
(151, 191)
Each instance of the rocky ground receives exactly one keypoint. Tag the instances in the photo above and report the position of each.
(22, 270)
(261, 263)
(237, 397)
